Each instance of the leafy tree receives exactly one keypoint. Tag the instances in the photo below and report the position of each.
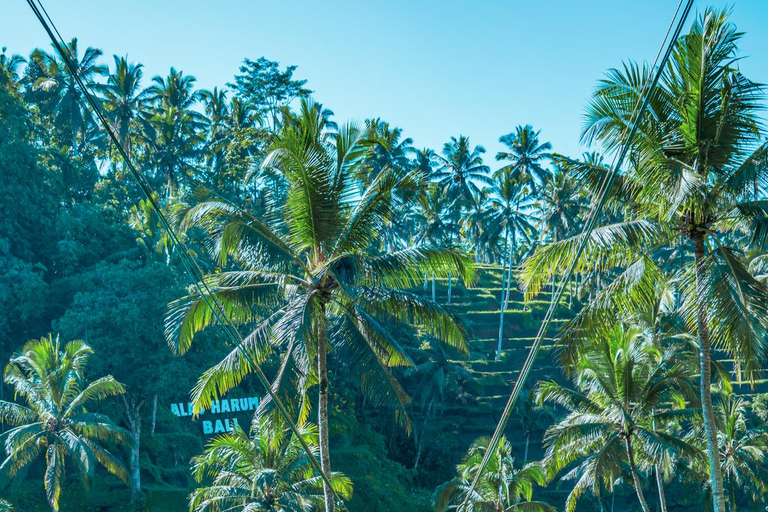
(56, 420)
(696, 182)
(503, 487)
(525, 156)
(262, 84)
(621, 381)
(266, 470)
(308, 282)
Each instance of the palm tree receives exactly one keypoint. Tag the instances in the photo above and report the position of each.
(696, 178)
(461, 170)
(5, 506)
(742, 450)
(11, 63)
(264, 471)
(525, 156)
(177, 129)
(503, 487)
(58, 420)
(511, 215)
(123, 99)
(621, 382)
(311, 269)
(64, 102)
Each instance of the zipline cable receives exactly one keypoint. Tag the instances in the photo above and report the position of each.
(189, 263)
(630, 129)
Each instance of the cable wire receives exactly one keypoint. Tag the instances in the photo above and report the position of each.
(189, 263)
(602, 195)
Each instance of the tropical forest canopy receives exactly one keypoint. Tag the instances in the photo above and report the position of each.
(386, 294)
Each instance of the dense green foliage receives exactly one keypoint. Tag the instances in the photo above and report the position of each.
(390, 293)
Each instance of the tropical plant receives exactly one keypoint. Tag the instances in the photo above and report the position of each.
(176, 130)
(264, 471)
(123, 99)
(63, 99)
(622, 383)
(57, 420)
(503, 487)
(462, 171)
(525, 156)
(696, 181)
(11, 63)
(306, 282)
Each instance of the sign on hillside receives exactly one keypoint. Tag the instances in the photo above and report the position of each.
(213, 420)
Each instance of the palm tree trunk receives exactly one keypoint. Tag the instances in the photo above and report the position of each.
(154, 416)
(423, 433)
(322, 408)
(662, 495)
(503, 298)
(450, 284)
(433, 287)
(635, 476)
(133, 411)
(705, 367)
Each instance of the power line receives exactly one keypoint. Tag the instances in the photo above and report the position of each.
(189, 263)
(602, 194)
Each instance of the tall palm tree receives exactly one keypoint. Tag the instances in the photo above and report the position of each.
(512, 214)
(526, 156)
(503, 487)
(462, 171)
(310, 269)
(696, 179)
(64, 102)
(58, 420)
(123, 99)
(177, 129)
(264, 471)
(621, 381)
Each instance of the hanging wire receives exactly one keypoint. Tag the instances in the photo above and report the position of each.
(630, 129)
(189, 263)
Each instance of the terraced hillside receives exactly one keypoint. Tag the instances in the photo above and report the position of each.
(479, 306)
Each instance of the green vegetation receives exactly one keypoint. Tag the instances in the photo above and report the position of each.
(389, 293)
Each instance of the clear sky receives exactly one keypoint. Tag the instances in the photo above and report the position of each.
(434, 68)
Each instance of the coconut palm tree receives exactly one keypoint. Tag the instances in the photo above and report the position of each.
(124, 100)
(58, 420)
(621, 383)
(264, 471)
(11, 63)
(310, 268)
(742, 450)
(696, 179)
(462, 171)
(511, 214)
(503, 487)
(526, 156)
(63, 97)
(177, 130)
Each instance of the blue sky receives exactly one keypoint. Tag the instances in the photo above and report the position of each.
(434, 68)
